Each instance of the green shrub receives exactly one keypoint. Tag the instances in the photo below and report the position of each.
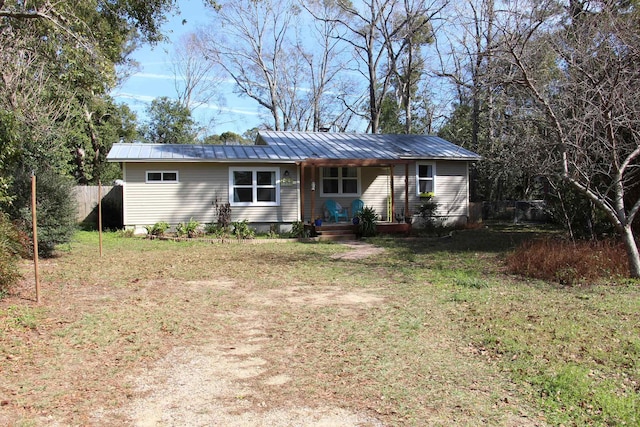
(11, 248)
(157, 229)
(217, 231)
(189, 228)
(367, 219)
(56, 208)
(242, 230)
(297, 229)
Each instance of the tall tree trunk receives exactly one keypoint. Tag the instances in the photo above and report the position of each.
(632, 251)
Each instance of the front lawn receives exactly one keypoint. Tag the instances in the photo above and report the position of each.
(430, 332)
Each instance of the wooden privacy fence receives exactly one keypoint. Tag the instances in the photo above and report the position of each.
(87, 201)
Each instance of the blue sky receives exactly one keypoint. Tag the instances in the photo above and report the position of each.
(155, 78)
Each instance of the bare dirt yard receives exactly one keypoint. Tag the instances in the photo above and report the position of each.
(165, 334)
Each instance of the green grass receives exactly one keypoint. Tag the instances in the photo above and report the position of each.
(452, 337)
(576, 351)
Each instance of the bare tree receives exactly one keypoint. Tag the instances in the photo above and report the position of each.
(250, 41)
(325, 61)
(409, 28)
(196, 80)
(363, 24)
(591, 107)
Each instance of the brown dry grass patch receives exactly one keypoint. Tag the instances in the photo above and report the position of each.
(569, 262)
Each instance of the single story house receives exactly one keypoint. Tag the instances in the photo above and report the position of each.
(288, 176)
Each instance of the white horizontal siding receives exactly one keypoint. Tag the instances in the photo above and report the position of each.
(452, 194)
(201, 183)
(193, 196)
(451, 191)
(378, 193)
(374, 192)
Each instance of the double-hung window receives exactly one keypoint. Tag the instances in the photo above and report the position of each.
(161, 176)
(342, 181)
(425, 178)
(254, 186)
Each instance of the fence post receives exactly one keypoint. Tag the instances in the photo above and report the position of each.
(34, 220)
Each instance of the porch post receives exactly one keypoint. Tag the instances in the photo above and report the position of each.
(406, 189)
(392, 214)
(313, 193)
(301, 175)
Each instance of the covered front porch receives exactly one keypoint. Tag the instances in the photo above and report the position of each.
(381, 184)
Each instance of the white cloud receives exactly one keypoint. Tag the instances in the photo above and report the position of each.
(135, 97)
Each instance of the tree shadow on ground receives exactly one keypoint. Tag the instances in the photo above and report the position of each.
(491, 238)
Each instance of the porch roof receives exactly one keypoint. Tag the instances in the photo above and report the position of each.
(298, 147)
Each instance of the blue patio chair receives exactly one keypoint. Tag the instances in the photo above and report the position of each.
(335, 212)
(356, 207)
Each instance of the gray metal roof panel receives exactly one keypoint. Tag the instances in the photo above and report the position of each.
(298, 146)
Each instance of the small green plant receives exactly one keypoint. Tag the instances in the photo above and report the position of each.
(189, 228)
(242, 230)
(367, 219)
(297, 229)
(217, 231)
(274, 231)
(427, 212)
(210, 228)
(125, 233)
(157, 229)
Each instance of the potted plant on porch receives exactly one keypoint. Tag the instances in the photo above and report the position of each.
(427, 196)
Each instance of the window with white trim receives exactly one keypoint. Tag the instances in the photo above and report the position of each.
(254, 186)
(154, 177)
(425, 178)
(340, 181)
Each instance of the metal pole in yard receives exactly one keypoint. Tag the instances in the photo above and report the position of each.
(100, 215)
(35, 234)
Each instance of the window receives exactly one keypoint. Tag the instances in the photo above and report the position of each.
(340, 181)
(425, 178)
(162, 176)
(254, 186)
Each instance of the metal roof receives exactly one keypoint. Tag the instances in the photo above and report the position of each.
(286, 147)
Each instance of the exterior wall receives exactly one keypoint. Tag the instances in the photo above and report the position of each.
(198, 186)
(451, 184)
(451, 190)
